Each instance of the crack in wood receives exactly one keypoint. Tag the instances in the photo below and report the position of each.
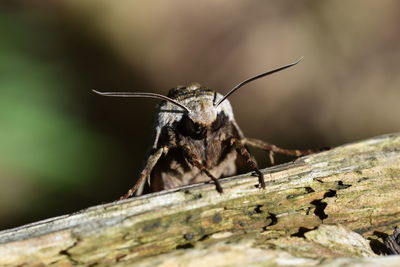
(320, 205)
(301, 231)
(69, 256)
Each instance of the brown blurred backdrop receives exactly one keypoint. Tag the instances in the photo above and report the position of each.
(62, 148)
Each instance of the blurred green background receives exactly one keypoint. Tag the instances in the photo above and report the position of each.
(63, 148)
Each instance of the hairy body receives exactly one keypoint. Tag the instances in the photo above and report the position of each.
(206, 135)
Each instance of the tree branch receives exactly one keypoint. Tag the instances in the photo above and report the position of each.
(355, 185)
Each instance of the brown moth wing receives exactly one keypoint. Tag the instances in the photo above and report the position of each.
(178, 174)
(215, 151)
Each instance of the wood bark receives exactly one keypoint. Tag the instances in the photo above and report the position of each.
(330, 208)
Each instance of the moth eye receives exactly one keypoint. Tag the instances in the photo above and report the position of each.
(188, 128)
(219, 121)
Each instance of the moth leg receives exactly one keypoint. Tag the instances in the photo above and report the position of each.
(150, 163)
(242, 150)
(271, 157)
(275, 149)
(193, 159)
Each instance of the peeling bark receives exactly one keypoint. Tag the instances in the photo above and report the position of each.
(355, 185)
(392, 243)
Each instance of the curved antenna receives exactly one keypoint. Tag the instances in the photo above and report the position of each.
(255, 78)
(141, 94)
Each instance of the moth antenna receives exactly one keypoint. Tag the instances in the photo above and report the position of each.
(141, 94)
(255, 78)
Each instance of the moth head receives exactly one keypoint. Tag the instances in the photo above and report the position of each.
(204, 115)
(199, 100)
(195, 108)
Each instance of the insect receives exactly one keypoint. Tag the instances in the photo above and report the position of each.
(197, 139)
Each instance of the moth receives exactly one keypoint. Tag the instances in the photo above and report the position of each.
(197, 139)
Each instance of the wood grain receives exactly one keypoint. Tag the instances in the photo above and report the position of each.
(355, 185)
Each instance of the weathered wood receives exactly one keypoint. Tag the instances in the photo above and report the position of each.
(355, 185)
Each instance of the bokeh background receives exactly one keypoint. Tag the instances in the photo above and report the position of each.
(63, 148)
